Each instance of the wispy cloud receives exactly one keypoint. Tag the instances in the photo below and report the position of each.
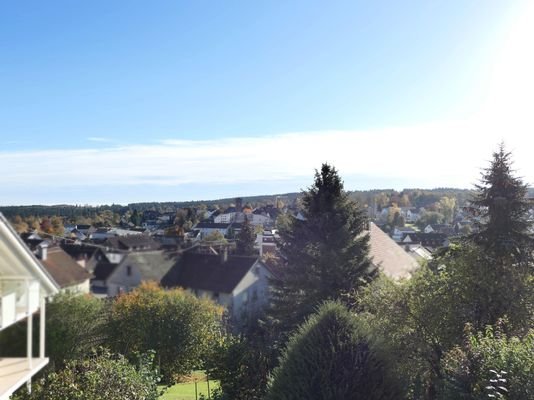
(99, 139)
(448, 154)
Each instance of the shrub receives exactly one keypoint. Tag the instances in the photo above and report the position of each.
(180, 328)
(103, 376)
(330, 358)
(468, 368)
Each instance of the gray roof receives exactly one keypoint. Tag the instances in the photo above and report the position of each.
(152, 265)
(209, 272)
(212, 225)
(388, 255)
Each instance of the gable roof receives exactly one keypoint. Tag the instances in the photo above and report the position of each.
(65, 271)
(152, 265)
(207, 272)
(431, 239)
(135, 242)
(212, 225)
(388, 255)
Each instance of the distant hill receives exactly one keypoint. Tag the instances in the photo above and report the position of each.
(417, 197)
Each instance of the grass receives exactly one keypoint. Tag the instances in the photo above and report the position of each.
(186, 390)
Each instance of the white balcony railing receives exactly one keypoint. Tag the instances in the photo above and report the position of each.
(19, 297)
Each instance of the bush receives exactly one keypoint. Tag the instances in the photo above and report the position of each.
(329, 358)
(180, 328)
(242, 368)
(103, 376)
(468, 368)
(74, 324)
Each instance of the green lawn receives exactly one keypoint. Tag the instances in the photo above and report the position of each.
(186, 391)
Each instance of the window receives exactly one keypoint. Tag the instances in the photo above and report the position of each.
(129, 270)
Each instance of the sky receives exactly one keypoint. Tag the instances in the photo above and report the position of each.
(125, 101)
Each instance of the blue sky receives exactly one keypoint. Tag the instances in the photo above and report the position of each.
(124, 89)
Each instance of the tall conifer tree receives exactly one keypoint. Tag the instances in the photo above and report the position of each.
(326, 251)
(503, 227)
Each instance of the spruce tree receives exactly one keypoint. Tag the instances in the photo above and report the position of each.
(502, 224)
(246, 239)
(326, 251)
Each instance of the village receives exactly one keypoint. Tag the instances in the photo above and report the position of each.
(107, 261)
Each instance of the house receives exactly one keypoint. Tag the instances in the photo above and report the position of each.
(206, 228)
(266, 243)
(239, 283)
(86, 230)
(440, 228)
(418, 252)
(102, 234)
(65, 270)
(24, 286)
(256, 219)
(429, 240)
(398, 232)
(388, 256)
(225, 218)
(137, 267)
(77, 234)
(68, 274)
(410, 214)
(80, 252)
(31, 239)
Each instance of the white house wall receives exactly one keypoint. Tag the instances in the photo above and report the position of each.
(119, 280)
(252, 291)
(80, 288)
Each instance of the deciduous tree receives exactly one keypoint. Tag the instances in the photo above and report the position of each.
(181, 328)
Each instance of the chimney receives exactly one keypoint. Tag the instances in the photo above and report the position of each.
(224, 255)
(42, 250)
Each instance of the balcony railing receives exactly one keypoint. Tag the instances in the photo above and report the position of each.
(19, 297)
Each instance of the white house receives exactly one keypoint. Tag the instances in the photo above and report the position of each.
(399, 232)
(137, 267)
(225, 218)
(24, 285)
(409, 214)
(206, 228)
(259, 219)
(239, 283)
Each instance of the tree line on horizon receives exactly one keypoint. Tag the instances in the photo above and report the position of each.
(51, 219)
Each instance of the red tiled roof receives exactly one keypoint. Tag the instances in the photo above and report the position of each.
(65, 271)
